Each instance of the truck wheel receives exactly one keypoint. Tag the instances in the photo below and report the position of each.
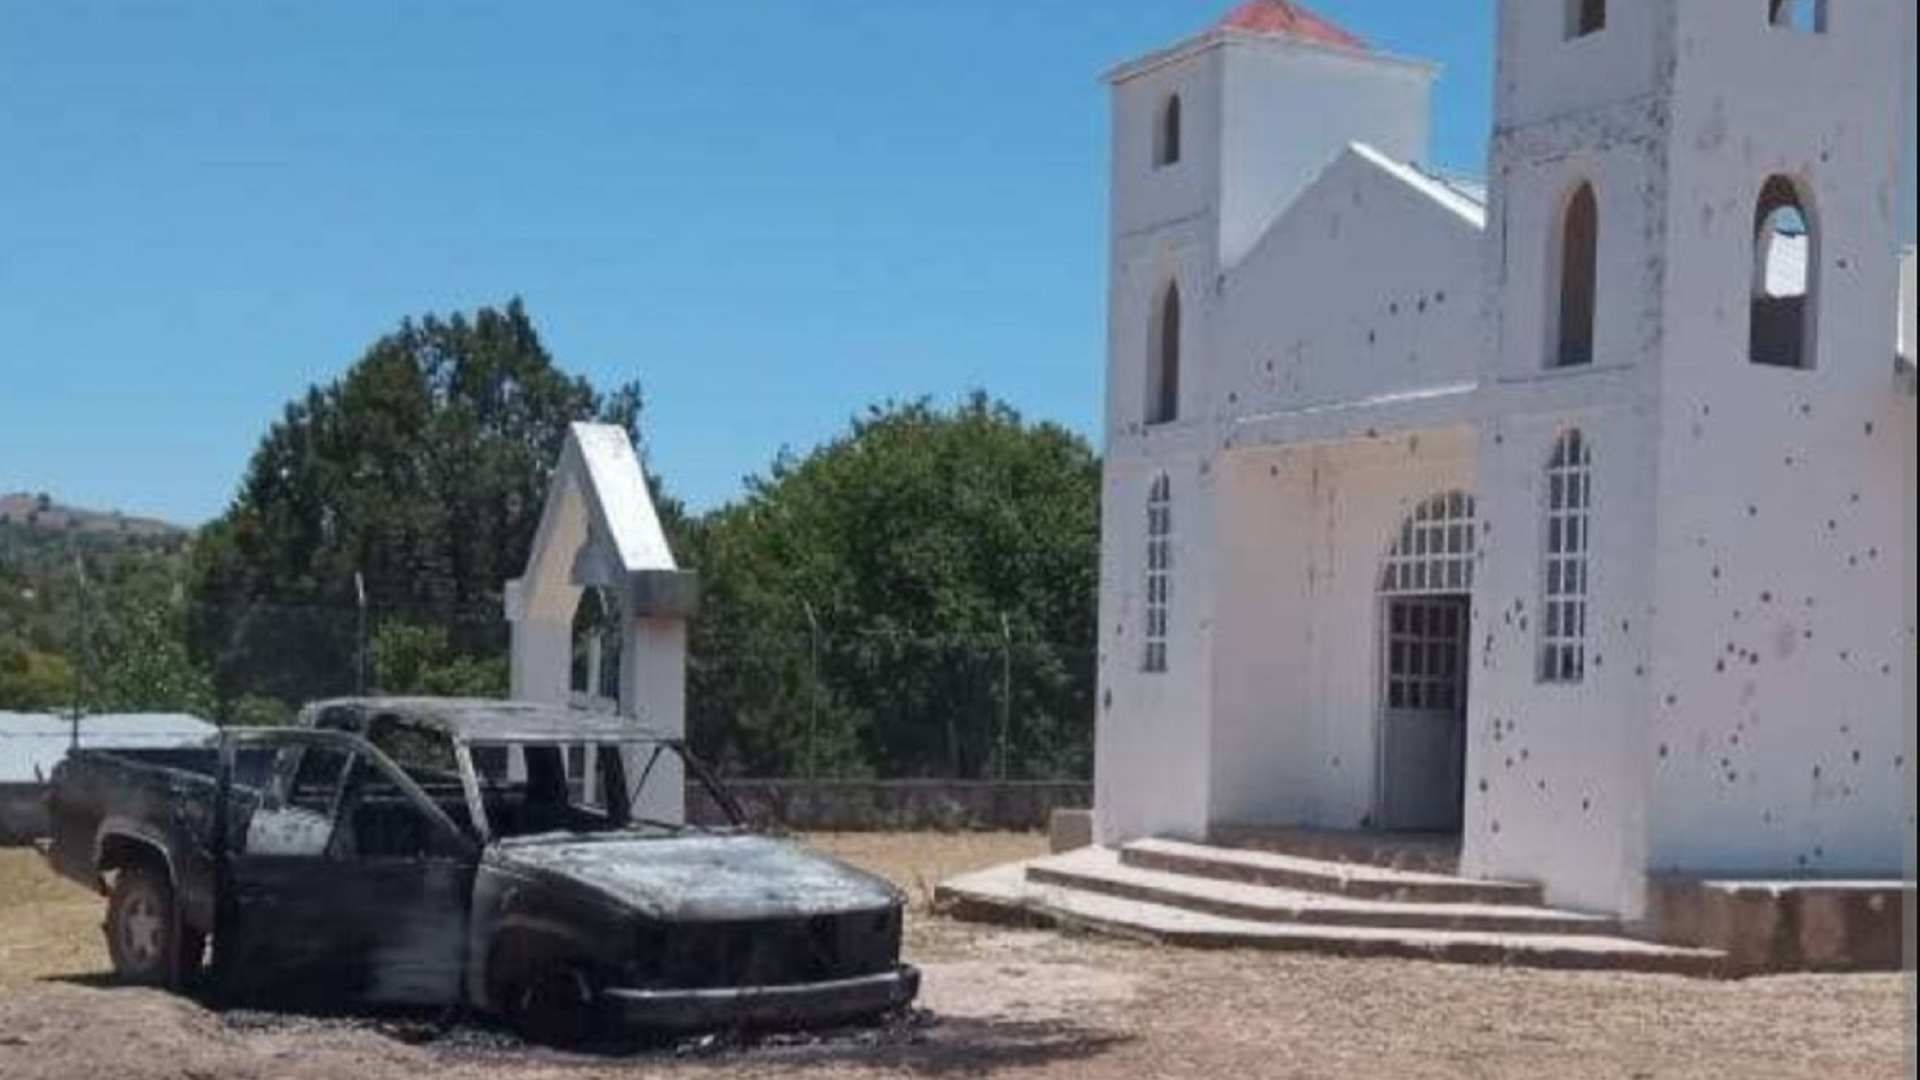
(140, 934)
(557, 1006)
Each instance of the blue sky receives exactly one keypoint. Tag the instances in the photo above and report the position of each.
(771, 212)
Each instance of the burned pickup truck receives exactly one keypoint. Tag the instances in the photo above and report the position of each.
(524, 860)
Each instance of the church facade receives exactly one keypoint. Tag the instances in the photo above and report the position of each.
(1570, 511)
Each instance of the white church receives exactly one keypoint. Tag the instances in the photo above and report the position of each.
(1570, 512)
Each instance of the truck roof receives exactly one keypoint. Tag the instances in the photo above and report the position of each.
(485, 719)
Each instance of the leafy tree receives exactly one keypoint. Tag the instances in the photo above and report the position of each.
(929, 548)
(411, 659)
(423, 468)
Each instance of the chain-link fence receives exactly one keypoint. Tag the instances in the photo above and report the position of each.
(820, 701)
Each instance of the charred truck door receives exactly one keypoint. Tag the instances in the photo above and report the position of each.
(346, 883)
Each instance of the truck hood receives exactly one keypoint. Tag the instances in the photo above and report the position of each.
(700, 878)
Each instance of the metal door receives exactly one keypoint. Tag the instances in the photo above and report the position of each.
(1423, 719)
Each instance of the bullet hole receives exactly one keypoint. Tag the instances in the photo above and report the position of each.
(1734, 739)
(1806, 409)
(1440, 297)
(1496, 828)
(1625, 626)
(1766, 817)
(1819, 852)
(1753, 511)
(1800, 859)
(1663, 751)
(1869, 429)
(1845, 655)
(1720, 666)
(1640, 671)
(1483, 787)
(1393, 309)
(1542, 785)
(1873, 553)
(1853, 560)
(1766, 597)
(1373, 338)
(1586, 805)
(1856, 757)
(1672, 700)
(1900, 762)
(1509, 762)
(1886, 669)
(1524, 755)
(1832, 525)
(1788, 461)
(1733, 776)
(1499, 439)
(1599, 661)
(1816, 772)
(1716, 573)
(1854, 498)
(1273, 470)
(1233, 398)
(1106, 700)
(1336, 761)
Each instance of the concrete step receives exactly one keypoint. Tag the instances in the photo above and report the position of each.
(1101, 870)
(1004, 894)
(1315, 875)
(1426, 853)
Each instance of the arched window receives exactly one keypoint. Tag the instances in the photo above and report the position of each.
(1563, 607)
(1159, 572)
(1577, 273)
(1166, 135)
(1163, 365)
(1434, 552)
(1786, 261)
(1586, 17)
(1806, 16)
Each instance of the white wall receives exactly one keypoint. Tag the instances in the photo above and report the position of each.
(1783, 645)
(1289, 109)
(1369, 285)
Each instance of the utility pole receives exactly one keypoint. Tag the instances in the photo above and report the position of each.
(84, 653)
(1006, 690)
(360, 595)
(813, 692)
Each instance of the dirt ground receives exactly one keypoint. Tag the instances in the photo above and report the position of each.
(1000, 1003)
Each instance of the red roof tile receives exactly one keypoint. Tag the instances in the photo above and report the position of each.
(1290, 19)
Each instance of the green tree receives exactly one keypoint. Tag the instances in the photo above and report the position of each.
(423, 469)
(929, 548)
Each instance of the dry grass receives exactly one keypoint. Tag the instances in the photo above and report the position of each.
(48, 925)
(1041, 1005)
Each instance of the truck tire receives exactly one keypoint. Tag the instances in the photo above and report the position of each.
(557, 1005)
(140, 928)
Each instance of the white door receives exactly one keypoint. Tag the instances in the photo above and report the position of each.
(1423, 722)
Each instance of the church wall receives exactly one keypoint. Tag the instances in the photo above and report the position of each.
(1785, 643)
(1152, 737)
(1556, 783)
(1273, 151)
(1365, 287)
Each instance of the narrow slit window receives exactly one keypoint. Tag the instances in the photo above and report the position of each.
(1166, 137)
(1785, 263)
(1163, 382)
(1586, 17)
(1568, 541)
(1159, 572)
(1806, 16)
(1578, 273)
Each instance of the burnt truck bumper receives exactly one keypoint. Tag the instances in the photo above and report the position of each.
(803, 1003)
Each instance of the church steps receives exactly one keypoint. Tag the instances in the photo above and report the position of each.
(1101, 870)
(1006, 894)
(1365, 882)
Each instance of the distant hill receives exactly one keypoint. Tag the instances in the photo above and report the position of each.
(43, 513)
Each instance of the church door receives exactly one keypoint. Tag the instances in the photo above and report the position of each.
(1425, 629)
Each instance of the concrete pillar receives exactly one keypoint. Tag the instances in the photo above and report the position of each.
(542, 660)
(653, 688)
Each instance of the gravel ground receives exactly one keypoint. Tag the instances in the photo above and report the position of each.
(999, 1003)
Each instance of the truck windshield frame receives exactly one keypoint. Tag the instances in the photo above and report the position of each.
(602, 804)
